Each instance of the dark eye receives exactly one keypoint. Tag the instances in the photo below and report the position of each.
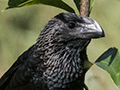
(71, 25)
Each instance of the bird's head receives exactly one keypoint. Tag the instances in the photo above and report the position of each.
(76, 26)
(69, 27)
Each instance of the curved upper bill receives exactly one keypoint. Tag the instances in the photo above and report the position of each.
(91, 29)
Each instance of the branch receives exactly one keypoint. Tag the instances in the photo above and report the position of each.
(85, 8)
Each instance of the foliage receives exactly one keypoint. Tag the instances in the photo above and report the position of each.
(56, 3)
(109, 61)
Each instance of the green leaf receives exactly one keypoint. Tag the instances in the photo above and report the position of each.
(55, 3)
(78, 2)
(110, 62)
(91, 4)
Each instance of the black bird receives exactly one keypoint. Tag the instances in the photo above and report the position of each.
(56, 60)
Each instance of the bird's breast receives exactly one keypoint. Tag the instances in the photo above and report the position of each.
(63, 73)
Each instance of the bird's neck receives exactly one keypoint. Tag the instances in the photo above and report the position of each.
(61, 51)
(64, 62)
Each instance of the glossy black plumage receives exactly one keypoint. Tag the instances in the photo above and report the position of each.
(56, 60)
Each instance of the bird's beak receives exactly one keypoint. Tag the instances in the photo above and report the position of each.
(91, 29)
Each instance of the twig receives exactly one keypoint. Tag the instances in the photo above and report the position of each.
(85, 8)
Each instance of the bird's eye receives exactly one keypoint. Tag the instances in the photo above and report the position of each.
(71, 25)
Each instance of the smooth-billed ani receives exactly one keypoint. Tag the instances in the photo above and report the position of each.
(56, 60)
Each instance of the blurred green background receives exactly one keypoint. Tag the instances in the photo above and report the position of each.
(20, 27)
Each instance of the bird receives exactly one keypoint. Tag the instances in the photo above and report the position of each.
(57, 60)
